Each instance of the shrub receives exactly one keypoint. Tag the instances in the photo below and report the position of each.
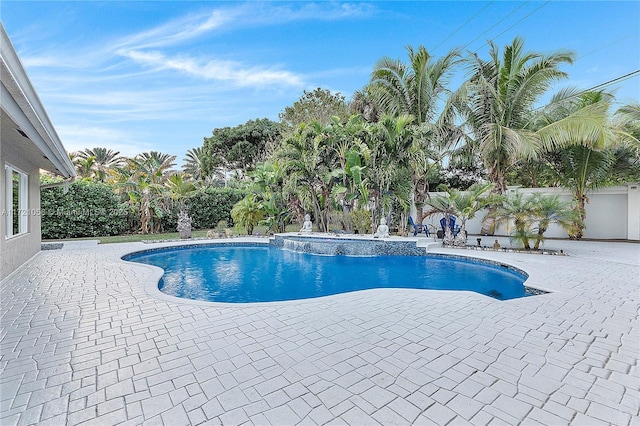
(212, 205)
(88, 209)
(361, 221)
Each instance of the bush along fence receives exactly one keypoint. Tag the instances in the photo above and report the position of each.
(92, 209)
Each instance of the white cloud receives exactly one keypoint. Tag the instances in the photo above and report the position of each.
(78, 137)
(241, 16)
(228, 71)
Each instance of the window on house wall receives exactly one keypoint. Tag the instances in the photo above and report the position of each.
(16, 201)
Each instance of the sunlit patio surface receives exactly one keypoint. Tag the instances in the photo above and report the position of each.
(88, 339)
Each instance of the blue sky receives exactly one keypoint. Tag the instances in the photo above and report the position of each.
(136, 76)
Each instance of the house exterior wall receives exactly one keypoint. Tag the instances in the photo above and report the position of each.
(612, 213)
(15, 250)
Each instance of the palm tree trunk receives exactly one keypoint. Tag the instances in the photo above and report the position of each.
(577, 230)
(539, 237)
(489, 222)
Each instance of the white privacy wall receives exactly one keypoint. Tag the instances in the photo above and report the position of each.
(612, 213)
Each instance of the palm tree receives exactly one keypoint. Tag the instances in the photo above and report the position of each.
(395, 157)
(496, 104)
(267, 186)
(85, 166)
(154, 164)
(179, 190)
(416, 89)
(550, 209)
(247, 213)
(142, 178)
(309, 161)
(520, 210)
(589, 144)
(104, 159)
(463, 204)
(192, 166)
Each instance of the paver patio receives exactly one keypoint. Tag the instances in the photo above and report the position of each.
(88, 339)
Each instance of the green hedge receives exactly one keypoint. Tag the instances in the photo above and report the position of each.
(88, 209)
(210, 206)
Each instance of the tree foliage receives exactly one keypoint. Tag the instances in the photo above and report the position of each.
(238, 148)
(318, 106)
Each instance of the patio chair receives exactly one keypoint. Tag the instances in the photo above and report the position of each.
(452, 225)
(418, 229)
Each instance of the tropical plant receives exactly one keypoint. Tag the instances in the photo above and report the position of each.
(364, 104)
(193, 166)
(318, 106)
(496, 104)
(309, 162)
(85, 166)
(548, 210)
(361, 221)
(267, 182)
(247, 213)
(591, 147)
(178, 190)
(414, 88)
(348, 141)
(142, 179)
(395, 161)
(417, 89)
(239, 148)
(103, 160)
(462, 204)
(518, 209)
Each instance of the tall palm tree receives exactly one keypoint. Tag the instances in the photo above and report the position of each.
(589, 146)
(414, 88)
(496, 104)
(395, 156)
(192, 166)
(417, 89)
(309, 161)
(104, 159)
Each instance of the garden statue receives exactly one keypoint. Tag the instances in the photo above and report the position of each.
(307, 226)
(496, 245)
(184, 225)
(383, 229)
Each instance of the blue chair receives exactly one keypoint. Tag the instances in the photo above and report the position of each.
(418, 229)
(452, 225)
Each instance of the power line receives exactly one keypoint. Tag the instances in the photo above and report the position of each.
(522, 19)
(462, 26)
(497, 23)
(596, 87)
(606, 45)
(615, 80)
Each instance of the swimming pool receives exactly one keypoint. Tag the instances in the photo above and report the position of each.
(240, 274)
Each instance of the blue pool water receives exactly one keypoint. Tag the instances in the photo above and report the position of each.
(265, 274)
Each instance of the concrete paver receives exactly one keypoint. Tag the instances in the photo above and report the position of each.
(87, 337)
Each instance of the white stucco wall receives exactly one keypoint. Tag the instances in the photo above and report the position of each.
(16, 250)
